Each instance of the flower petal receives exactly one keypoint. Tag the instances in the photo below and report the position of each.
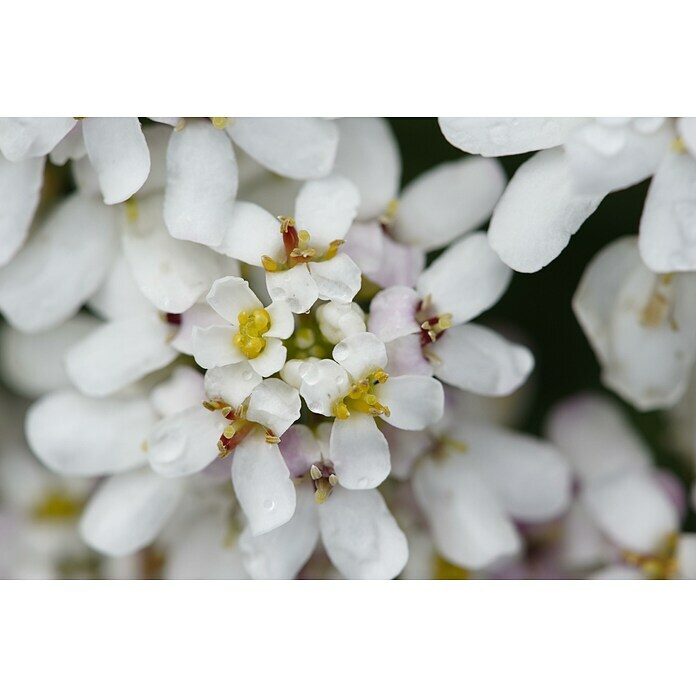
(230, 296)
(201, 183)
(118, 152)
(466, 280)
(172, 274)
(359, 452)
(22, 138)
(301, 148)
(338, 279)
(393, 313)
(20, 188)
(481, 361)
(405, 357)
(262, 484)
(213, 346)
(271, 359)
(184, 388)
(78, 436)
(231, 383)
(282, 320)
(360, 354)
(668, 224)
(275, 405)
(326, 208)
(63, 263)
(538, 213)
(361, 537)
(415, 401)
(368, 155)
(128, 512)
(185, 442)
(300, 449)
(296, 287)
(119, 353)
(323, 382)
(467, 519)
(251, 233)
(493, 137)
(447, 201)
(281, 553)
(119, 296)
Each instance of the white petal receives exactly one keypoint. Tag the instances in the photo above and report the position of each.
(21, 138)
(338, 320)
(479, 360)
(20, 188)
(447, 201)
(393, 313)
(63, 263)
(607, 158)
(202, 315)
(271, 358)
(118, 152)
(531, 477)
(415, 401)
(78, 436)
(360, 354)
(686, 556)
(157, 139)
(250, 234)
(185, 442)
(128, 512)
(184, 388)
(326, 208)
(668, 224)
(686, 127)
(617, 572)
(301, 148)
(364, 244)
(296, 287)
(596, 437)
(71, 147)
(337, 279)
(201, 183)
(281, 553)
(119, 353)
(275, 405)
(368, 155)
(359, 452)
(32, 364)
(282, 320)
(262, 484)
(119, 296)
(172, 274)
(633, 510)
(213, 346)
(231, 383)
(538, 213)
(469, 524)
(493, 137)
(405, 357)
(300, 449)
(230, 296)
(595, 299)
(361, 537)
(323, 382)
(466, 280)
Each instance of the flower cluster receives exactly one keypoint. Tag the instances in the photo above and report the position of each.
(251, 354)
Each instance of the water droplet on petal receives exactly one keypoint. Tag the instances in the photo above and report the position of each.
(268, 505)
(362, 482)
(341, 352)
(167, 447)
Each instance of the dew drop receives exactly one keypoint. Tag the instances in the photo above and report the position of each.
(362, 482)
(341, 352)
(268, 505)
(166, 447)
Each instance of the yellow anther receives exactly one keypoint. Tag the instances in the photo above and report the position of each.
(678, 145)
(341, 411)
(238, 340)
(56, 505)
(333, 249)
(269, 264)
(380, 376)
(132, 210)
(303, 235)
(220, 122)
(315, 472)
(180, 125)
(370, 399)
(323, 491)
(285, 222)
(444, 321)
(272, 439)
(392, 207)
(226, 411)
(333, 479)
(262, 319)
(306, 253)
(229, 431)
(215, 405)
(251, 328)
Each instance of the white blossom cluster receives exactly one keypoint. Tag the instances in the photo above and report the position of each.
(236, 349)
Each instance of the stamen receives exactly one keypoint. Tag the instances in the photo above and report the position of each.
(251, 329)
(220, 122)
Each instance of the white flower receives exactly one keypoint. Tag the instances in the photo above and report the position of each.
(338, 320)
(552, 194)
(360, 535)
(355, 389)
(247, 417)
(477, 479)
(641, 325)
(301, 254)
(392, 231)
(115, 147)
(252, 333)
(620, 492)
(426, 331)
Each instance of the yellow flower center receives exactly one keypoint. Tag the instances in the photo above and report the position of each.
(56, 505)
(361, 398)
(662, 565)
(252, 327)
